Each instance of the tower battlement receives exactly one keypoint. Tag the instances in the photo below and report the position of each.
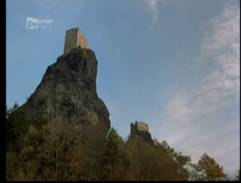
(74, 39)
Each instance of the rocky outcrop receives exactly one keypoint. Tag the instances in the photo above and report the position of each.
(67, 91)
(140, 130)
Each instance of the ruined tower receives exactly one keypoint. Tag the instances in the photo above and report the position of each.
(74, 39)
(140, 129)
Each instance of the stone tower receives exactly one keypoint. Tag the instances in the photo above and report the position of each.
(139, 127)
(74, 39)
(140, 130)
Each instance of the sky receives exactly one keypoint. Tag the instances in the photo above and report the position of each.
(171, 63)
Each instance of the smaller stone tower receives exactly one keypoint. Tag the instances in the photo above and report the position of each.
(74, 39)
(140, 129)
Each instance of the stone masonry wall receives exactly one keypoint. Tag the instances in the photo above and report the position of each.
(141, 126)
(74, 39)
(81, 41)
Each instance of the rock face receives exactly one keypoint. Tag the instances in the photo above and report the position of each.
(68, 91)
(140, 130)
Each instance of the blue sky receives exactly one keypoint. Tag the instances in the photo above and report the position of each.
(173, 64)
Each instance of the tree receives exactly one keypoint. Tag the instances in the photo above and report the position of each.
(183, 161)
(194, 173)
(237, 177)
(212, 169)
(58, 150)
(11, 109)
(151, 162)
(114, 159)
(114, 138)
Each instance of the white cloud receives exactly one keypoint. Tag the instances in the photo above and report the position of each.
(192, 113)
(153, 6)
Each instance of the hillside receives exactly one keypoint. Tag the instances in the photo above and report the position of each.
(63, 132)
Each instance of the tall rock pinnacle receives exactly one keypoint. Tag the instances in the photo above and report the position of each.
(67, 91)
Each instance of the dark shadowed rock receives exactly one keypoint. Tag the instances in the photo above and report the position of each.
(67, 92)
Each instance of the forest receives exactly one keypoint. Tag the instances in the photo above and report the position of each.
(57, 150)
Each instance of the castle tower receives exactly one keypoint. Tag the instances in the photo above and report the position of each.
(139, 127)
(74, 39)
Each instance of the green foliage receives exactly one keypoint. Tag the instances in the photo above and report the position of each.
(151, 162)
(16, 125)
(11, 109)
(113, 137)
(38, 149)
(212, 169)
